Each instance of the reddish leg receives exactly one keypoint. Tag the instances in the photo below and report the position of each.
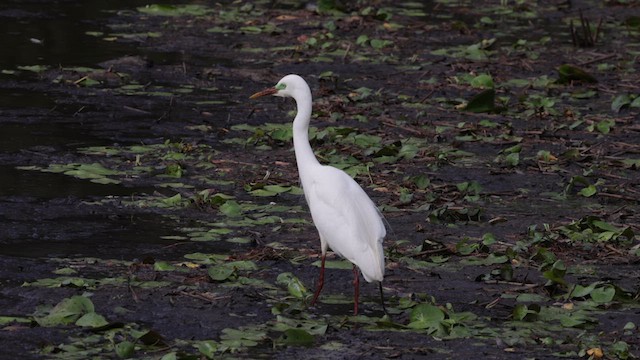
(356, 288)
(320, 281)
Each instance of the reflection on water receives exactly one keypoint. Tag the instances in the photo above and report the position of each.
(42, 185)
(19, 98)
(33, 137)
(125, 237)
(42, 214)
(46, 32)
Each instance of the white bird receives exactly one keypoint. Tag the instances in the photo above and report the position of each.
(347, 220)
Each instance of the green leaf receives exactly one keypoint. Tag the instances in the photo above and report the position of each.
(174, 10)
(523, 312)
(512, 159)
(568, 73)
(556, 273)
(488, 239)
(91, 319)
(67, 311)
(619, 102)
(207, 348)
(421, 181)
(482, 102)
(124, 349)
(605, 126)
(163, 266)
(426, 312)
(242, 265)
(604, 294)
(588, 191)
(33, 68)
(379, 43)
(294, 285)
(175, 200)
(221, 272)
(13, 319)
(362, 39)
(482, 81)
(335, 264)
(316, 327)
(297, 337)
(231, 208)
(170, 356)
(575, 320)
(580, 291)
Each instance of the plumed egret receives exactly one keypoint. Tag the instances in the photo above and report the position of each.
(347, 220)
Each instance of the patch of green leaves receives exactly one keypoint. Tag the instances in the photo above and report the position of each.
(593, 229)
(94, 172)
(175, 10)
(625, 100)
(294, 286)
(475, 52)
(76, 309)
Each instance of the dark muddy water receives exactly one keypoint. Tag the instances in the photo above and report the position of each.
(40, 214)
(44, 32)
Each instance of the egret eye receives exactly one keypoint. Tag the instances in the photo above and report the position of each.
(281, 86)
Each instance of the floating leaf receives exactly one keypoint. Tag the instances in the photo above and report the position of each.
(425, 316)
(13, 319)
(482, 102)
(174, 10)
(619, 102)
(231, 208)
(294, 285)
(207, 348)
(296, 337)
(379, 44)
(67, 311)
(221, 272)
(34, 68)
(568, 73)
(603, 294)
(523, 312)
(580, 291)
(605, 126)
(482, 81)
(334, 264)
(163, 266)
(588, 191)
(124, 349)
(556, 273)
(91, 320)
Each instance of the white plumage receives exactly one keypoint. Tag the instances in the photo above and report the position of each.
(347, 220)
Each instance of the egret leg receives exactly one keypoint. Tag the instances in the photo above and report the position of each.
(320, 281)
(382, 299)
(356, 288)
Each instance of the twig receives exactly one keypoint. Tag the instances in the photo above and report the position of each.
(389, 123)
(203, 297)
(344, 57)
(605, 57)
(614, 250)
(133, 294)
(136, 110)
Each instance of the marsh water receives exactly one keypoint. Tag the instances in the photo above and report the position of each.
(135, 174)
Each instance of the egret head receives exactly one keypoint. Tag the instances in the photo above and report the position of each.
(289, 86)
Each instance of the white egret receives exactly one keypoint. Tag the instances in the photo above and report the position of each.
(347, 220)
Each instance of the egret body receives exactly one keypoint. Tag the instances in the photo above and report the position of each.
(347, 220)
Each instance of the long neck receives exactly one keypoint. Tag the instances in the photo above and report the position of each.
(304, 153)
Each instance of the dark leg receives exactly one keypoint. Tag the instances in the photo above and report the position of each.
(320, 282)
(382, 299)
(356, 288)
